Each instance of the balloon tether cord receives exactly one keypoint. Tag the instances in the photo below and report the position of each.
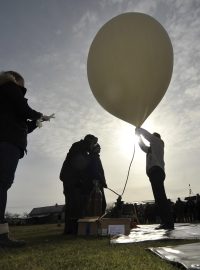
(129, 170)
(126, 177)
(120, 196)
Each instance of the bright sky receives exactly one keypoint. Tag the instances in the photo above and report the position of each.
(47, 41)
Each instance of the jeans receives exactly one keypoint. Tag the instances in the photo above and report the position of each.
(9, 158)
(157, 177)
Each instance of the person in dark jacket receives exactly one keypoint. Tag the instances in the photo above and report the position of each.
(155, 169)
(17, 119)
(76, 177)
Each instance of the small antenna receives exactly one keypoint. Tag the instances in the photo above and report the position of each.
(190, 190)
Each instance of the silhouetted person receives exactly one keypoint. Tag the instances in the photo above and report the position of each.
(77, 173)
(96, 172)
(179, 210)
(155, 169)
(150, 213)
(190, 210)
(17, 119)
(197, 207)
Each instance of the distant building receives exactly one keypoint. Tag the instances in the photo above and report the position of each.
(47, 214)
(194, 197)
(148, 201)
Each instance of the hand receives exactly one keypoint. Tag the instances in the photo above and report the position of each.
(137, 131)
(103, 183)
(39, 123)
(47, 118)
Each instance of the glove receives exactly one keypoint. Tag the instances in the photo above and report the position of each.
(39, 123)
(44, 118)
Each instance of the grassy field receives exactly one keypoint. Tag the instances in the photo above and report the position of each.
(48, 249)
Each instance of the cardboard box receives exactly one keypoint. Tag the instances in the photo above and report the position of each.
(88, 226)
(103, 226)
(114, 226)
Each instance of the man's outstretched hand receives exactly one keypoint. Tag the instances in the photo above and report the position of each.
(47, 117)
(44, 118)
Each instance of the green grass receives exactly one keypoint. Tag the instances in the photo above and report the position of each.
(48, 249)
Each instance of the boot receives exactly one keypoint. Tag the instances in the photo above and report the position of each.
(5, 241)
(167, 226)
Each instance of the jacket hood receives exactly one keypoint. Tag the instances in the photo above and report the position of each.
(6, 78)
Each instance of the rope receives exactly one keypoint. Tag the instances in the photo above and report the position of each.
(127, 175)
(120, 196)
(113, 191)
(129, 170)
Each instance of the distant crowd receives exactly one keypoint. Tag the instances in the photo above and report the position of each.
(183, 211)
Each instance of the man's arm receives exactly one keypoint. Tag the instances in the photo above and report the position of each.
(143, 145)
(147, 135)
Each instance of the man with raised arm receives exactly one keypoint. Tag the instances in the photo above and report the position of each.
(155, 170)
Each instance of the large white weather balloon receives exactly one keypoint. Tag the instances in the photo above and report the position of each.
(130, 65)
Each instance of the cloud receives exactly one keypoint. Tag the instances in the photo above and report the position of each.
(176, 116)
(53, 60)
(87, 20)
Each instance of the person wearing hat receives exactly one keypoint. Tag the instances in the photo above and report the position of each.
(17, 119)
(74, 175)
(155, 170)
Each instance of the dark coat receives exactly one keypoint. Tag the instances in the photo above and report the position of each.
(17, 119)
(74, 168)
(96, 172)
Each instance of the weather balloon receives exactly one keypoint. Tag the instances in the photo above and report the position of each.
(129, 67)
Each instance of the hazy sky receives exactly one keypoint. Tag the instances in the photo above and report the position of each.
(47, 41)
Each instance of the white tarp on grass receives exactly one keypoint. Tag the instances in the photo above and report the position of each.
(187, 255)
(148, 233)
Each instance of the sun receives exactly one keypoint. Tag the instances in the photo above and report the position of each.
(126, 138)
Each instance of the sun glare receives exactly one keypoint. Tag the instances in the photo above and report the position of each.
(127, 139)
